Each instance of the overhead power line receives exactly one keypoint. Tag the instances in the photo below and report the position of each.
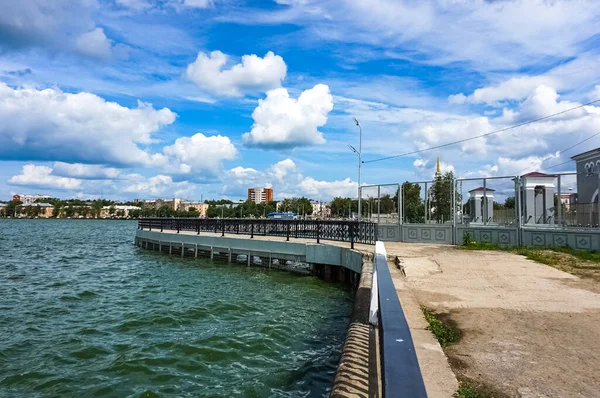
(482, 135)
(560, 152)
(560, 164)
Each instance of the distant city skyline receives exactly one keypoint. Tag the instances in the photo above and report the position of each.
(123, 99)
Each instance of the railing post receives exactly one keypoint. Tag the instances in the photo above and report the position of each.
(297, 223)
(264, 223)
(149, 225)
(350, 229)
(318, 232)
(178, 226)
(197, 227)
(252, 230)
(216, 224)
(288, 232)
(222, 227)
(376, 233)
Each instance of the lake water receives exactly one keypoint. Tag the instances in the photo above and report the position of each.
(83, 312)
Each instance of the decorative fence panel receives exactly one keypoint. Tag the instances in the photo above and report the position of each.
(427, 233)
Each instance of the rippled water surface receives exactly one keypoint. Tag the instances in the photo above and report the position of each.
(83, 312)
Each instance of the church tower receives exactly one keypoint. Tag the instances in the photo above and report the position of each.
(438, 172)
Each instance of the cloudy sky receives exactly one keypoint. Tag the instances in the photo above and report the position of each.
(161, 98)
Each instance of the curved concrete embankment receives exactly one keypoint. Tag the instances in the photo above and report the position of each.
(191, 244)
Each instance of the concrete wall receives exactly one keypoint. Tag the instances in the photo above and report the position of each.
(579, 239)
(496, 235)
(424, 233)
(576, 239)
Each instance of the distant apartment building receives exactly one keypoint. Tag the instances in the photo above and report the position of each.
(174, 203)
(568, 200)
(42, 210)
(320, 209)
(260, 195)
(117, 211)
(202, 208)
(29, 199)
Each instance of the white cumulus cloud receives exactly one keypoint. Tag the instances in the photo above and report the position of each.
(94, 43)
(254, 74)
(85, 171)
(42, 177)
(284, 122)
(156, 186)
(326, 190)
(76, 128)
(199, 154)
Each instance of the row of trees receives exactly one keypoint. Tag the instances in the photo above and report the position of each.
(248, 209)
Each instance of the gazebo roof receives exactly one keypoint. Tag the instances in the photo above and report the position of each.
(482, 189)
(538, 174)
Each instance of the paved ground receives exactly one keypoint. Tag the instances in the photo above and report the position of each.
(529, 330)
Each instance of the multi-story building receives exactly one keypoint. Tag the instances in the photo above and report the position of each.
(117, 211)
(29, 199)
(44, 210)
(201, 207)
(320, 209)
(260, 195)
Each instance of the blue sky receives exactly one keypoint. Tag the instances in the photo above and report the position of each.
(140, 99)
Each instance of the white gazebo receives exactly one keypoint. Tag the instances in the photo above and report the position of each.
(537, 198)
(481, 205)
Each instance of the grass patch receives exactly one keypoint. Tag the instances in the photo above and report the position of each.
(466, 390)
(443, 328)
(581, 263)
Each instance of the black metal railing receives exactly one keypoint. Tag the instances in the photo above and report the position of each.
(344, 231)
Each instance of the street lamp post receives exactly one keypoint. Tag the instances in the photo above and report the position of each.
(359, 153)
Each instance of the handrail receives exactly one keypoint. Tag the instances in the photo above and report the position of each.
(400, 366)
(345, 231)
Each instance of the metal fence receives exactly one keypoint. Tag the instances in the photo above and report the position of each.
(531, 209)
(345, 231)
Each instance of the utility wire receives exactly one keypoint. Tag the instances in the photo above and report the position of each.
(560, 164)
(560, 152)
(482, 135)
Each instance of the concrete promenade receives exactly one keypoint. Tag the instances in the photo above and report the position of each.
(530, 330)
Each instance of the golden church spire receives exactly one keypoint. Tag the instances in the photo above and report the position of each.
(438, 172)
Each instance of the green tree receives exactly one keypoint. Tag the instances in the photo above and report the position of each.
(11, 207)
(96, 208)
(509, 203)
(441, 197)
(413, 206)
(135, 213)
(164, 211)
(343, 207)
(69, 211)
(302, 206)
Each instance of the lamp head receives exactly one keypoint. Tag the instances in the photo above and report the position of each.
(352, 148)
(355, 121)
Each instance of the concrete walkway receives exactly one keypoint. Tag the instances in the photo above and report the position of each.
(529, 330)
